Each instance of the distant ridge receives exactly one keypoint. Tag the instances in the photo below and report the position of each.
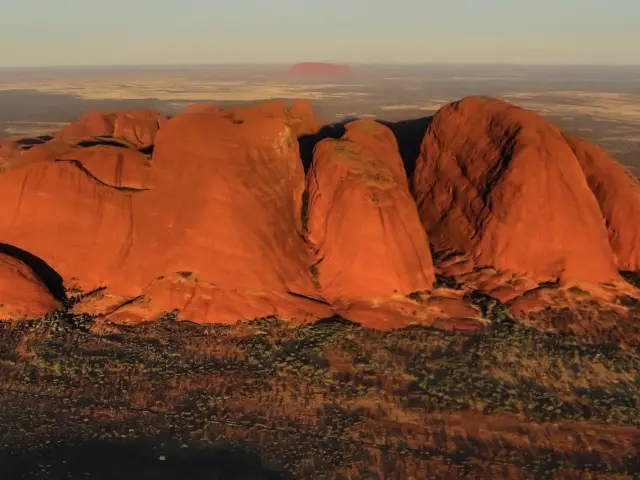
(319, 68)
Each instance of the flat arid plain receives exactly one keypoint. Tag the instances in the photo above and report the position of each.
(551, 393)
(599, 103)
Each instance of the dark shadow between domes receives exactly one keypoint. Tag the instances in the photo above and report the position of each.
(409, 135)
(631, 277)
(51, 279)
(307, 143)
(101, 141)
(31, 141)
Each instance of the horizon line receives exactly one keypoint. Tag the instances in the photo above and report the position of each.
(289, 64)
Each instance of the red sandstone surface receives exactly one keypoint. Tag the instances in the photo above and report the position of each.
(138, 127)
(221, 223)
(112, 166)
(299, 116)
(23, 294)
(319, 68)
(498, 187)
(618, 194)
(363, 223)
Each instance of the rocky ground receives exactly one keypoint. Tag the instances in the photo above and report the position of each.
(81, 398)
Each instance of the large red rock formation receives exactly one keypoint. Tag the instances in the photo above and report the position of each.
(319, 68)
(22, 293)
(211, 226)
(363, 221)
(500, 186)
(618, 193)
(222, 203)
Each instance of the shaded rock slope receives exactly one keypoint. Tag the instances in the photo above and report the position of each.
(211, 216)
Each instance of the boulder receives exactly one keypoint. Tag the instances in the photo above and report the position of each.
(23, 295)
(499, 188)
(95, 123)
(138, 127)
(618, 194)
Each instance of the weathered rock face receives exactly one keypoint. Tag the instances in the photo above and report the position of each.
(500, 185)
(363, 222)
(22, 293)
(79, 226)
(216, 212)
(299, 116)
(226, 210)
(46, 152)
(91, 124)
(618, 193)
(116, 167)
(18, 151)
(138, 127)
(302, 119)
(319, 68)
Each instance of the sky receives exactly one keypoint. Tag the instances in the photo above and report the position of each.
(157, 32)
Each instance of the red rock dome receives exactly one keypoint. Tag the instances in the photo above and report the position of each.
(499, 188)
(24, 295)
(358, 190)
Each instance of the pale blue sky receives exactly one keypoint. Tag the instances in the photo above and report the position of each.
(92, 32)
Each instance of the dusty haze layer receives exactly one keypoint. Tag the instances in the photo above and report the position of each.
(599, 103)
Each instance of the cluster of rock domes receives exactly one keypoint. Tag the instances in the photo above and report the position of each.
(211, 215)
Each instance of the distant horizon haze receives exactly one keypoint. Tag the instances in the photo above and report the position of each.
(287, 65)
(152, 32)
